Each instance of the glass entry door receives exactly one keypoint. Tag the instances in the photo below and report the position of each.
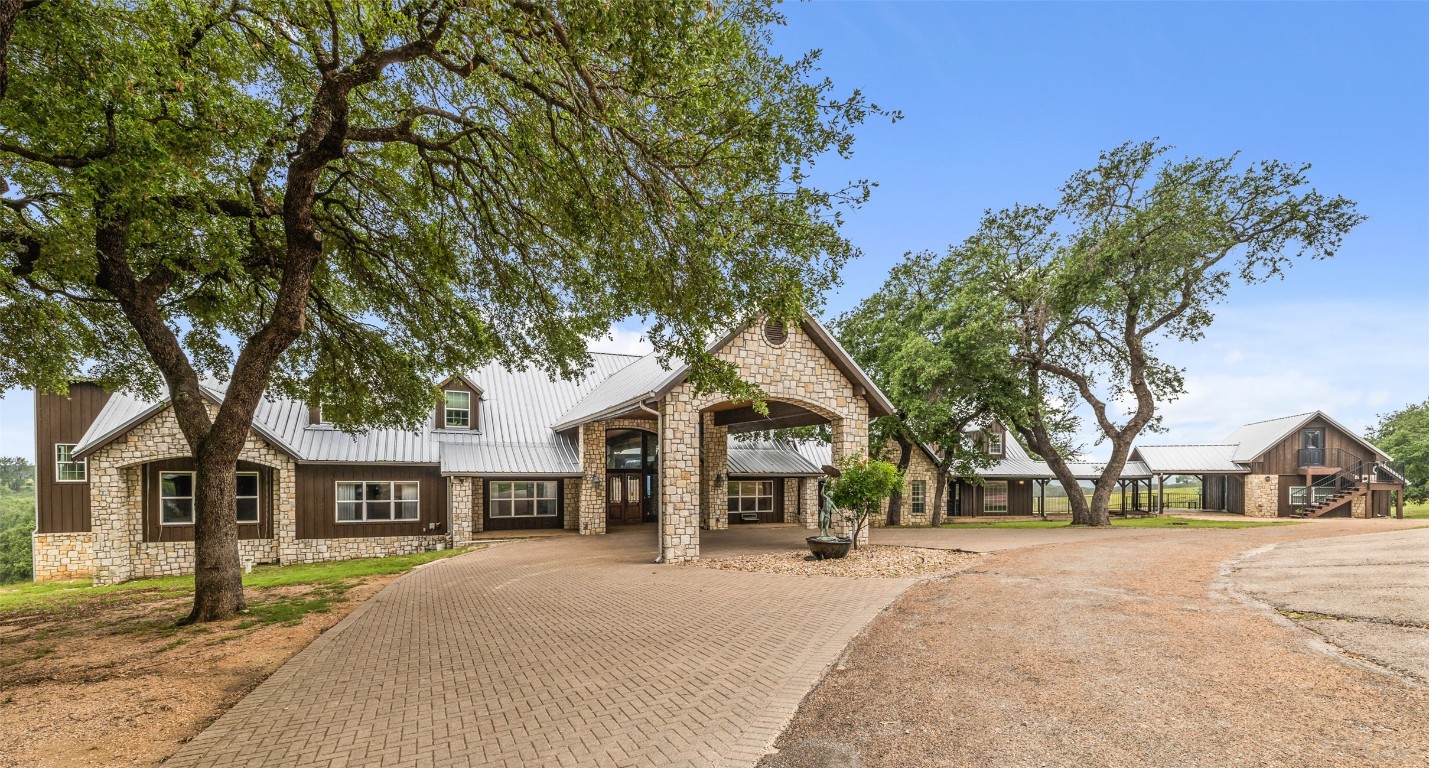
(624, 497)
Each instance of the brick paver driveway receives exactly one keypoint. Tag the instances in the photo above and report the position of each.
(562, 652)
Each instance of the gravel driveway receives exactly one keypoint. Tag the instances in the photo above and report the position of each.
(1122, 651)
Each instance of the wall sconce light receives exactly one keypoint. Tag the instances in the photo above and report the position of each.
(1022, 482)
(719, 479)
(594, 478)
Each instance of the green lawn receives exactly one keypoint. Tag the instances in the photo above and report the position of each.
(325, 582)
(1168, 521)
(1416, 511)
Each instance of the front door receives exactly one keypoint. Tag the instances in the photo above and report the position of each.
(624, 497)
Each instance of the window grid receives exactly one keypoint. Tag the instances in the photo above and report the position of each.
(458, 410)
(527, 498)
(994, 444)
(918, 496)
(994, 498)
(751, 496)
(68, 470)
(246, 494)
(377, 501)
(176, 498)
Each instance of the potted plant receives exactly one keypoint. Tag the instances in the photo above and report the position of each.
(856, 489)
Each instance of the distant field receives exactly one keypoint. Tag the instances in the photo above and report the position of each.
(1417, 511)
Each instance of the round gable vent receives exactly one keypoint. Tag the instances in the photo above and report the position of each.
(776, 332)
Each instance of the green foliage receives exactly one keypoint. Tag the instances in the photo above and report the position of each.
(1404, 435)
(17, 522)
(1047, 313)
(861, 487)
(16, 473)
(509, 179)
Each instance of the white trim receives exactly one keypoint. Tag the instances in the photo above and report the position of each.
(392, 491)
(257, 496)
(1006, 498)
(1001, 447)
(447, 409)
(757, 495)
(82, 462)
(192, 497)
(917, 494)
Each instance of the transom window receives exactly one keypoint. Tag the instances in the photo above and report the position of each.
(629, 449)
(524, 498)
(377, 501)
(458, 410)
(994, 496)
(918, 496)
(176, 497)
(994, 444)
(1312, 438)
(69, 470)
(751, 496)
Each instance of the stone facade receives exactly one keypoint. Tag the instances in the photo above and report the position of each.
(1359, 506)
(63, 556)
(920, 467)
(592, 452)
(796, 372)
(462, 493)
(809, 502)
(791, 500)
(1262, 496)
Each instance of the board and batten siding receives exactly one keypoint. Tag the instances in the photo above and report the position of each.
(456, 384)
(62, 507)
(1283, 458)
(317, 500)
(1021, 499)
(154, 531)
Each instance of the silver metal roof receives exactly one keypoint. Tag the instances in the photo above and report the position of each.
(619, 392)
(559, 458)
(1091, 470)
(1254, 439)
(775, 458)
(1189, 459)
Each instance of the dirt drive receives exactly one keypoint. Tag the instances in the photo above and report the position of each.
(1133, 650)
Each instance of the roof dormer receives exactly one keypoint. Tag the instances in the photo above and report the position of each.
(458, 406)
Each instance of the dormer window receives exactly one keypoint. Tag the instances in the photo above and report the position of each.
(458, 410)
(994, 444)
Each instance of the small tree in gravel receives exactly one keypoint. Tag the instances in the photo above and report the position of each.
(860, 488)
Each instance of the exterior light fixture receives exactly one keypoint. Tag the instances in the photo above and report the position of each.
(594, 477)
(719, 479)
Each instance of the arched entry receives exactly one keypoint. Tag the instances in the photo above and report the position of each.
(630, 461)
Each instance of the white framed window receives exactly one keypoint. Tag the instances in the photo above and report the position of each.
(994, 444)
(751, 496)
(918, 497)
(247, 496)
(377, 501)
(176, 498)
(458, 410)
(994, 496)
(67, 469)
(526, 498)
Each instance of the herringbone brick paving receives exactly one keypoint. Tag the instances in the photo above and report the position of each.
(571, 651)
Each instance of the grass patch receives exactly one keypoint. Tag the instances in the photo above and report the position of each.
(1167, 521)
(58, 596)
(1415, 511)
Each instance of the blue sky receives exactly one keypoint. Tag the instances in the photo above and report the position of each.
(1003, 101)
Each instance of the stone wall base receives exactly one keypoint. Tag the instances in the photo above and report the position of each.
(322, 550)
(1262, 496)
(63, 556)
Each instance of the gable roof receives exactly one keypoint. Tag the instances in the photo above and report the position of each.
(780, 458)
(1254, 439)
(647, 379)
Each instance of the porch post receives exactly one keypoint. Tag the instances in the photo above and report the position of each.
(714, 461)
(592, 504)
(850, 439)
(1042, 497)
(1399, 503)
(679, 479)
(1161, 495)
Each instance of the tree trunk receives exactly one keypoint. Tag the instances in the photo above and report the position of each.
(895, 499)
(218, 574)
(1097, 513)
(936, 518)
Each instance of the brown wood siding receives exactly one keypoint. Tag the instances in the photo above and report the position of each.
(149, 495)
(1381, 503)
(1235, 494)
(1283, 458)
(777, 516)
(317, 500)
(1282, 507)
(62, 507)
(1020, 498)
(457, 385)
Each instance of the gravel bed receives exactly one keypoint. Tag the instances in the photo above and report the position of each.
(868, 562)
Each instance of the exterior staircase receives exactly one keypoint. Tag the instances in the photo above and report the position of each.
(1342, 496)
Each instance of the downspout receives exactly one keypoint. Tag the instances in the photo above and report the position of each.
(659, 476)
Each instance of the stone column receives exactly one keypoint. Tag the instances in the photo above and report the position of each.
(285, 511)
(680, 480)
(111, 523)
(1359, 506)
(573, 490)
(850, 438)
(809, 502)
(1262, 496)
(714, 461)
(592, 510)
(791, 499)
(462, 507)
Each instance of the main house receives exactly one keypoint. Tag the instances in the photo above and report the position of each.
(629, 441)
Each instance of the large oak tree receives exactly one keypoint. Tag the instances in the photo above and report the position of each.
(345, 200)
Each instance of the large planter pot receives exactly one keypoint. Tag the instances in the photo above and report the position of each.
(829, 547)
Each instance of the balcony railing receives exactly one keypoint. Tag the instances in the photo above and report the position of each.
(1312, 457)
